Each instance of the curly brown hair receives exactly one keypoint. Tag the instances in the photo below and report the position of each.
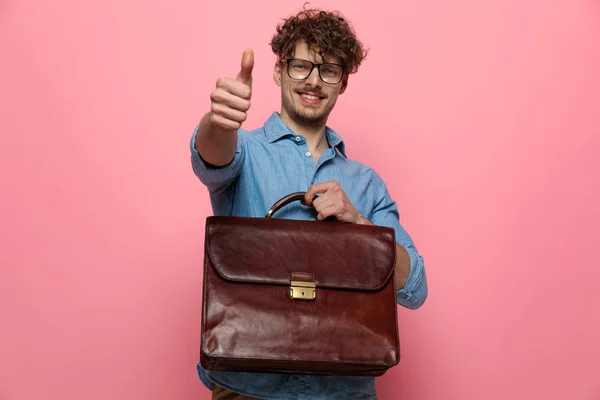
(328, 32)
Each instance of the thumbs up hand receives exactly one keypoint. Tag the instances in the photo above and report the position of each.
(230, 101)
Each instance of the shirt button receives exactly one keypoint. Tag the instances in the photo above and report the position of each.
(298, 138)
(308, 154)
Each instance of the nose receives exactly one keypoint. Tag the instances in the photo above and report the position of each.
(313, 79)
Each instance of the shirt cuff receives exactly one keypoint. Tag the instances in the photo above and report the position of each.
(216, 178)
(414, 292)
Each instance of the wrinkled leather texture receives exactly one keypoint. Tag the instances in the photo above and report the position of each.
(249, 321)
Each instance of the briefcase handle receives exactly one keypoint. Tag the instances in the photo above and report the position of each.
(296, 196)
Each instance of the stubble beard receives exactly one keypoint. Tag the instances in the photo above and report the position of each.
(306, 118)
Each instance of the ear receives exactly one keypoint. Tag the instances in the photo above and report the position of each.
(344, 84)
(277, 73)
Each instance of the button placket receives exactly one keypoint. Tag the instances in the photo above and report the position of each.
(309, 166)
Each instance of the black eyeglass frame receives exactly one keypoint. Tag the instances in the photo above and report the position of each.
(313, 65)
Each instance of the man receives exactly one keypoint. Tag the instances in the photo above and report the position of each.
(246, 172)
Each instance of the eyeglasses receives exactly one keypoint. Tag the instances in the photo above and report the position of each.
(328, 72)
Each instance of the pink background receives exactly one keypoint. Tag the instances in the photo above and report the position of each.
(482, 117)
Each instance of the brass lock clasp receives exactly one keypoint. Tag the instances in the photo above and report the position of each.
(300, 290)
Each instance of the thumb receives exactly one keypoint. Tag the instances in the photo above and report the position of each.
(245, 75)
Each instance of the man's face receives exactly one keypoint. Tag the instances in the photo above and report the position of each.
(309, 101)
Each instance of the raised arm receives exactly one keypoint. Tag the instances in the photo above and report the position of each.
(216, 138)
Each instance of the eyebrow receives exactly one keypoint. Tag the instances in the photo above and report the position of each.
(326, 62)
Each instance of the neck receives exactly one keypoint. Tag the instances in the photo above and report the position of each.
(315, 136)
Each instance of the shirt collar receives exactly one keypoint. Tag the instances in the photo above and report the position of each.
(276, 129)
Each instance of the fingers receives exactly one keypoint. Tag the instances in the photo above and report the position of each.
(234, 87)
(322, 202)
(327, 212)
(332, 202)
(227, 98)
(230, 101)
(318, 188)
(228, 110)
(228, 113)
(224, 122)
(245, 75)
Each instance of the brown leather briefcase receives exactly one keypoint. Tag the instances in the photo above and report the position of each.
(302, 297)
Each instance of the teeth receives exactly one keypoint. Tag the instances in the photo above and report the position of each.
(310, 96)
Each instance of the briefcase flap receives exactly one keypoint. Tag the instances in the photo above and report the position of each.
(268, 251)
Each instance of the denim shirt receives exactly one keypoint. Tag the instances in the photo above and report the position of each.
(269, 163)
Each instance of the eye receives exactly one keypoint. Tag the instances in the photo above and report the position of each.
(330, 70)
(298, 65)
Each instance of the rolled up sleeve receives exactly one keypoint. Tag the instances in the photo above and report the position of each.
(385, 213)
(218, 179)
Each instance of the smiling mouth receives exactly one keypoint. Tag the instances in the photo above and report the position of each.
(310, 97)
